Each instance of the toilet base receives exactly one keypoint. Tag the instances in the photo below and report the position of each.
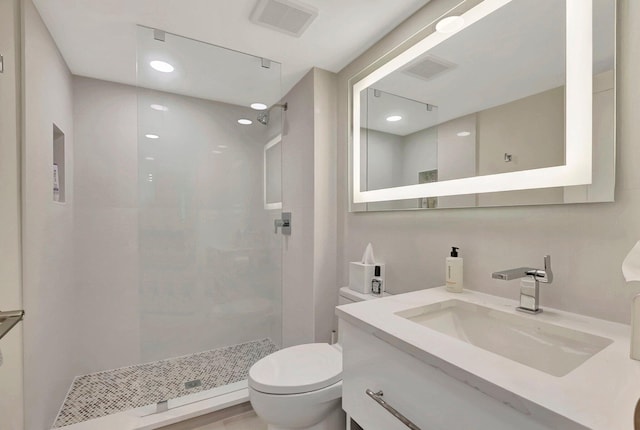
(335, 421)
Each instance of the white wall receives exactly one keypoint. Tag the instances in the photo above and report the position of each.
(420, 154)
(297, 198)
(309, 193)
(385, 158)
(106, 224)
(587, 242)
(11, 377)
(532, 131)
(324, 194)
(457, 158)
(50, 331)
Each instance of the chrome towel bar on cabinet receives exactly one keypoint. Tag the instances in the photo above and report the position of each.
(377, 396)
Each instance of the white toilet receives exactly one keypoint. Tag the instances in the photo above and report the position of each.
(300, 387)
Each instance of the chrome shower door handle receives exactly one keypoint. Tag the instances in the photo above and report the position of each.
(284, 223)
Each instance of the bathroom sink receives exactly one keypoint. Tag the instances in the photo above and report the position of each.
(553, 349)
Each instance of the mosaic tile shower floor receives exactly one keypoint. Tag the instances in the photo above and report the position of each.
(104, 393)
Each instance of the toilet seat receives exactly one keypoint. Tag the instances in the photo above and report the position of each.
(297, 369)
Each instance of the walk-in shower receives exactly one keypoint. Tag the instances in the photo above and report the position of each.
(206, 259)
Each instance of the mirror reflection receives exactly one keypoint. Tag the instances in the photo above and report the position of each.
(489, 99)
(273, 173)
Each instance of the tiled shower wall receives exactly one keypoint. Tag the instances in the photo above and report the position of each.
(186, 280)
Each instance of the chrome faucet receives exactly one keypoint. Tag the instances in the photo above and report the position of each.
(529, 291)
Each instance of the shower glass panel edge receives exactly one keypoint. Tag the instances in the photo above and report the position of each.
(210, 265)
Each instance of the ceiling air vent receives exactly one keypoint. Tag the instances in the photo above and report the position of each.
(286, 16)
(428, 68)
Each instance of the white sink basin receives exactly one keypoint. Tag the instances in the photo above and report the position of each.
(547, 347)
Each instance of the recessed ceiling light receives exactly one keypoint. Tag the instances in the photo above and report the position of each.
(159, 107)
(152, 136)
(149, 158)
(216, 152)
(245, 121)
(464, 134)
(450, 24)
(258, 106)
(394, 118)
(162, 66)
(223, 146)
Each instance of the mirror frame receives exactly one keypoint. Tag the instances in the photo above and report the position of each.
(578, 116)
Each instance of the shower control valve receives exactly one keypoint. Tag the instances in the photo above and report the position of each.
(284, 223)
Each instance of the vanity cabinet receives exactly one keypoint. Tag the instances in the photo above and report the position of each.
(424, 394)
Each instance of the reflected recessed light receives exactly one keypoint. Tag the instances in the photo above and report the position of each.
(162, 66)
(258, 106)
(152, 136)
(149, 158)
(245, 121)
(159, 107)
(217, 152)
(464, 134)
(450, 24)
(394, 118)
(223, 146)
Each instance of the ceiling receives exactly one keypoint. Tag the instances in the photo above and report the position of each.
(100, 38)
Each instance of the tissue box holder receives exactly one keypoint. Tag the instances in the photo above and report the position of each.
(360, 276)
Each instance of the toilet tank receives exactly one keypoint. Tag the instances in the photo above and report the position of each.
(347, 295)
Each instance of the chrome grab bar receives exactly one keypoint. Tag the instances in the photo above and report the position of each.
(8, 320)
(379, 400)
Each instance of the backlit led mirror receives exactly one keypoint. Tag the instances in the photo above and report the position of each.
(505, 103)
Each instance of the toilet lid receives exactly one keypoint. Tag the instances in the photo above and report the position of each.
(297, 369)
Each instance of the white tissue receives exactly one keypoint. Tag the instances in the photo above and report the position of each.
(631, 264)
(367, 257)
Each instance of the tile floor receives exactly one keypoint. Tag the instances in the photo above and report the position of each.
(248, 421)
(103, 393)
(244, 421)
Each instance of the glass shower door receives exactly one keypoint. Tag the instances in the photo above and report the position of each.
(209, 261)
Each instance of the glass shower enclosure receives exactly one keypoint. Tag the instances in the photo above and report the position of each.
(208, 191)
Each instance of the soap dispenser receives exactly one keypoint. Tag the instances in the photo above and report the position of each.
(454, 273)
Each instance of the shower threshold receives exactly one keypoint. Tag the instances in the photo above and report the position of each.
(127, 398)
(181, 409)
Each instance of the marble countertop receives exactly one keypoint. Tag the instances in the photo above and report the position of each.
(600, 394)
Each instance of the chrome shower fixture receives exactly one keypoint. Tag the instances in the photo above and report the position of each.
(263, 117)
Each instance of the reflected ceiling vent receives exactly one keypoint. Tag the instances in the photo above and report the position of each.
(429, 67)
(287, 16)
